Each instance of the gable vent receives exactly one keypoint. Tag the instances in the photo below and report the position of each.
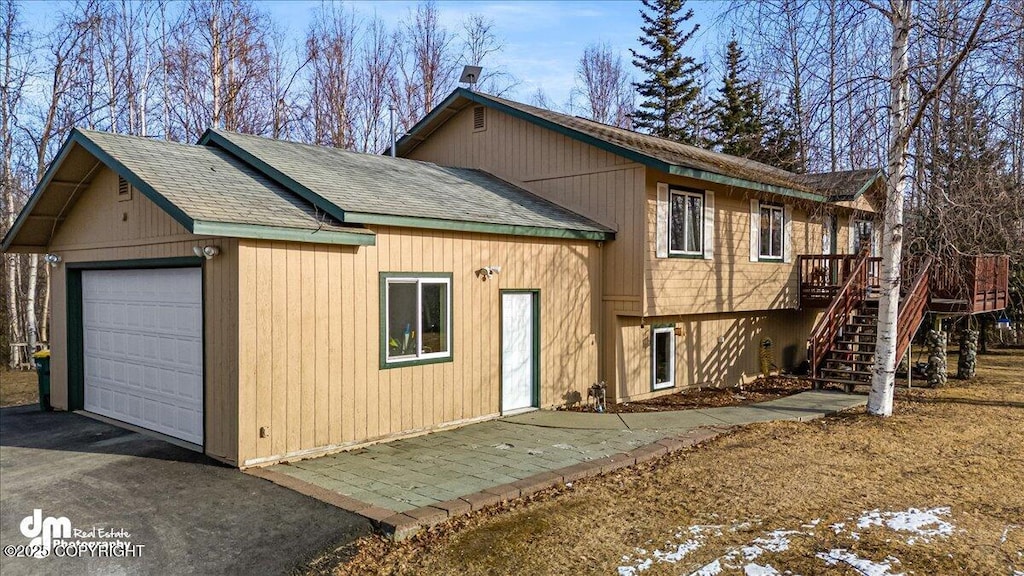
(124, 189)
(479, 118)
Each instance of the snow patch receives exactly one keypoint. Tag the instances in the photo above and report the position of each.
(924, 524)
(758, 570)
(713, 568)
(862, 565)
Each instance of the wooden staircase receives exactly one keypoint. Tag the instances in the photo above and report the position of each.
(841, 348)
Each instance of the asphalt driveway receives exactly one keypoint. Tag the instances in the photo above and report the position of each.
(191, 514)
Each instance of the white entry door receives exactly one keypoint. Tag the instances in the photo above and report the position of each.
(518, 351)
(143, 348)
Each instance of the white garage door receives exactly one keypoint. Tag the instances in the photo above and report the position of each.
(143, 348)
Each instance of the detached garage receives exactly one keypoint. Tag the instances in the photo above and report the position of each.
(262, 301)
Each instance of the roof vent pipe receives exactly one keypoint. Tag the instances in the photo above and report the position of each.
(393, 142)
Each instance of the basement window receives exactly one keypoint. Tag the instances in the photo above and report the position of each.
(124, 189)
(479, 119)
(663, 357)
(416, 318)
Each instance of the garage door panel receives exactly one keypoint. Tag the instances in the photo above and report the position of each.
(143, 348)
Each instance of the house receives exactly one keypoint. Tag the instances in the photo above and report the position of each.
(262, 300)
(704, 262)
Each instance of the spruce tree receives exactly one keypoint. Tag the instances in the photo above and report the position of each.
(671, 89)
(737, 123)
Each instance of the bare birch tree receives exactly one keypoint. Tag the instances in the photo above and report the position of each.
(902, 123)
(604, 86)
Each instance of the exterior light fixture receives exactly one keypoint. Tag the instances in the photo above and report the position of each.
(488, 272)
(207, 252)
(52, 259)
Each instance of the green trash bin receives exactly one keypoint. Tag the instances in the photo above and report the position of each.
(42, 359)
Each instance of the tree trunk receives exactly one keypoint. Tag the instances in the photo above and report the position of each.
(31, 293)
(884, 378)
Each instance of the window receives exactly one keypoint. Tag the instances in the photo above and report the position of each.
(863, 235)
(686, 223)
(663, 357)
(417, 318)
(772, 227)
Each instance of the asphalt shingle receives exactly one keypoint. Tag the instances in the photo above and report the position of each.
(210, 185)
(381, 185)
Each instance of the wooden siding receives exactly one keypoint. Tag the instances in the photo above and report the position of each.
(603, 186)
(309, 347)
(729, 282)
(99, 227)
(701, 360)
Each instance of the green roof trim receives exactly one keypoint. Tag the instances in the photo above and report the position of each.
(211, 137)
(77, 137)
(623, 151)
(261, 232)
(867, 185)
(26, 211)
(482, 227)
(736, 182)
(91, 147)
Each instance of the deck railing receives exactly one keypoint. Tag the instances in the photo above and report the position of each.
(913, 306)
(822, 276)
(848, 297)
(971, 284)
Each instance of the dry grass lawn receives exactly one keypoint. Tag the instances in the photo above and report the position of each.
(18, 387)
(961, 447)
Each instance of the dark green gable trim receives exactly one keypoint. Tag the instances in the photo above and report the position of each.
(867, 185)
(77, 137)
(135, 180)
(38, 192)
(482, 227)
(633, 155)
(260, 232)
(382, 318)
(211, 138)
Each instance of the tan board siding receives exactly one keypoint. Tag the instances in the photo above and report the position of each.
(701, 360)
(598, 184)
(729, 282)
(97, 231)
(309, 340)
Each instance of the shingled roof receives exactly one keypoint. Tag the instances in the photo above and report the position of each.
(206, 190)
(371, 189)
(844, 185)
(659, 153)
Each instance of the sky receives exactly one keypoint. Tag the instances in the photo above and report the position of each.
(543, 39)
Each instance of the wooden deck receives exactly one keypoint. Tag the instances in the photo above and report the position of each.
(968, 285)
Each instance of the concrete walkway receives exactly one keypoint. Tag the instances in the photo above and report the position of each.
(405, 485)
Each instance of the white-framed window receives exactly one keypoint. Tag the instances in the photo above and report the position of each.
(686, 223)
(772, 233)
(663, 357)
(416, 316)
(863, 236)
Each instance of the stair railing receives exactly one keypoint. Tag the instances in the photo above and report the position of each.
(848, 299)
(912, 310)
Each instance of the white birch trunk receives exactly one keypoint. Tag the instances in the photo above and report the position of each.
(44, 325)
(883, 380)
(31, 321)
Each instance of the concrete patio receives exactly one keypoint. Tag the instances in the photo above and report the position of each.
(416, 482)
